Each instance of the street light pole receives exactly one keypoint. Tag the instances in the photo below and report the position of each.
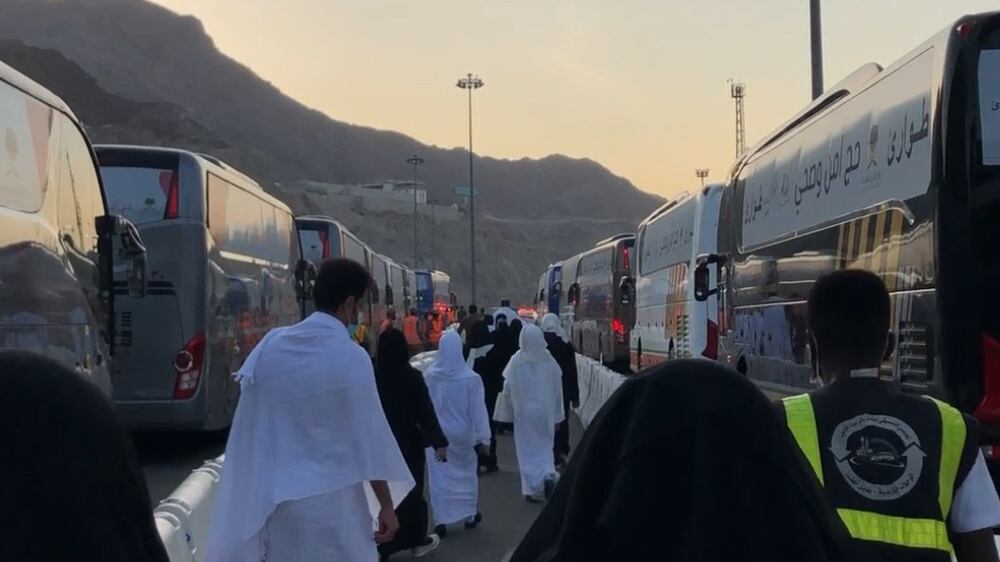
(433, 225)
(702, 173)
(471, 82)
(415, 161)
(816, 48)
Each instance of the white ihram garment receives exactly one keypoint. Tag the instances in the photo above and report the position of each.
(533, 393)
(308, 436)
(459, 400)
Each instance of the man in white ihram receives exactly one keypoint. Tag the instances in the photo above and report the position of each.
(532, 399)
(312, 471)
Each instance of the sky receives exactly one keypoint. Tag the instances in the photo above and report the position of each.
(637, 85)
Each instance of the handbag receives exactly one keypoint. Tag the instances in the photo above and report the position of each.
(504, 412)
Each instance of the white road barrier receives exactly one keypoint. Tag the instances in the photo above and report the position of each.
(597, 384)
(183, 518)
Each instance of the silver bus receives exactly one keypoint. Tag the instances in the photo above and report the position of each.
(59, 247)
(223, 255)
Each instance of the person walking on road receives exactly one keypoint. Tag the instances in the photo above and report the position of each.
(411, 416)
(488, 361)
(457, 394)
(73, 490)
(532, 399)
(411, 329)
(687, 463)
(564, 354)
(435, 327)
(470, 321)
(904, 472)
(388, 322)
(311, 463)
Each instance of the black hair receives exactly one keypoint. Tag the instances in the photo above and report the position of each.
(473, 309)
(73, 488)
(849, 317)
(393, 353)
(338, 279)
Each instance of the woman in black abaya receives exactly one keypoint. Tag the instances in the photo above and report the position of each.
(687, 462)
(414, 423)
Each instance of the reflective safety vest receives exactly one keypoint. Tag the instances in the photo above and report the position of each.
(410, 331)
(865, 525)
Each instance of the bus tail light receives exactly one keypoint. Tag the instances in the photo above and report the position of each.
(188, 363)
(712, 341)
(964, 29)
(619, 330)
(627, 259)
(170, 185)
(988, 411)
(324, 238)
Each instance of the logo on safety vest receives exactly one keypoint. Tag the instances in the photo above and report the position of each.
(879, 456)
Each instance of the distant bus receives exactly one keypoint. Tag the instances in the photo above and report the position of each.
(323, 238)
(895, 171)
(222, 259)
(605, 310)
(669, 322)
(568, 295)
(434, 293)
(549, 294)
(59, 247)
(398, 297)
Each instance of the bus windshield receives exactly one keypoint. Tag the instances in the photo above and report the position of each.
(140, 194)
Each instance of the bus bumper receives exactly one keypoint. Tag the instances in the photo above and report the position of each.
(165, 415)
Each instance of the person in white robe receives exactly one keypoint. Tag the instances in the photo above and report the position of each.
(312, 470)
(532, 399)
(459, 400)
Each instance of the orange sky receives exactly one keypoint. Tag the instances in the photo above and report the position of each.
(638, 85)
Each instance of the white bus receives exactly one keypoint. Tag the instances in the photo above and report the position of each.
(895, 171)
(670, 323)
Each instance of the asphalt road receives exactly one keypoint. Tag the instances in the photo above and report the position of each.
(167, 459)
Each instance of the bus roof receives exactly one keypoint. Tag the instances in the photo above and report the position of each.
(615, 238)
(210, 163)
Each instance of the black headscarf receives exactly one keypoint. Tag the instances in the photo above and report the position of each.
(686, 462)
(404, 397)
(515, 333)
(72, 486)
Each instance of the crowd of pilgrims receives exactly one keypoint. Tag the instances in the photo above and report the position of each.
(328, 455)
(491, 374)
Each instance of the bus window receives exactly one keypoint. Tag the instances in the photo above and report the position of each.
(142, 187)
(26, 122)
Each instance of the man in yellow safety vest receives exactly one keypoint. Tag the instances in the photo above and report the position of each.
(905, 473)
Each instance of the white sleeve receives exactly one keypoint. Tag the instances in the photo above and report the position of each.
(976, 505)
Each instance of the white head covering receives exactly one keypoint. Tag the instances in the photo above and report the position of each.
(449, 363)
(533, 346)
(552, 325)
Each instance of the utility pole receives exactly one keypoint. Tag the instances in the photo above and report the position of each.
(433, 225)
(738, 91)
(816, 47)
(470, 83)
(702, 173)
(415, 161)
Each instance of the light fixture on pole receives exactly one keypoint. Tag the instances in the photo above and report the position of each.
(471, 82)
(702, 173)
(415, 161)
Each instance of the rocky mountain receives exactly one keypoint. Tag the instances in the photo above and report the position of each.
(136, 72)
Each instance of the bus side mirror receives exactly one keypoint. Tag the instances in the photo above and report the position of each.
(122, 251)
(702, 276)
(627, 290)
(305, 278)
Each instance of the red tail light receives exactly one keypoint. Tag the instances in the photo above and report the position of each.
(988, 411)
(619, 329)
(188, 363)
(712, 341)
(169, 183)
(964, 29)
(626, 258)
